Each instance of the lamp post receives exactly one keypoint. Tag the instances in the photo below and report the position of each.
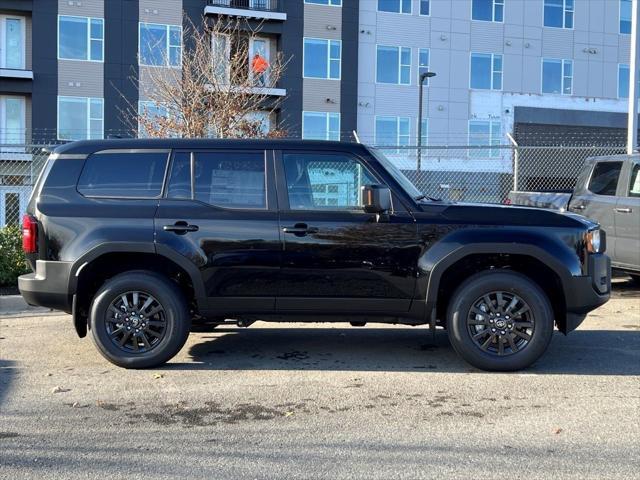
(422, 78)
(632, 122)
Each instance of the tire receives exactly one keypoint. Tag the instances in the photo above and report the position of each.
(635, 278)
(165, 330)
(494, 351)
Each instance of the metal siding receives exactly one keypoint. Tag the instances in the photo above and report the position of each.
(316, 93)
(322, 21)
(80, 79)
(168, 12)
(84, 8)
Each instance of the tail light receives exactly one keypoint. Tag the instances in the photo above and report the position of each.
(29, 234)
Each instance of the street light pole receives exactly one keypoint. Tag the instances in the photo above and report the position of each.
(422, 78)
(632, 125)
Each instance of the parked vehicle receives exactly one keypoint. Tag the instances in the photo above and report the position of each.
(143, 240)
(608, 192)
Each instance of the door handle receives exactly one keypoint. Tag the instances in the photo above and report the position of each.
(578, 207)
(300, 229)
(624, 210)
(181, 228)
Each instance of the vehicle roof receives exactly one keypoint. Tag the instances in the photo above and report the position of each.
(91, 146)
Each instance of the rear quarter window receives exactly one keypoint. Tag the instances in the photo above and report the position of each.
(124, 175)
(604, 179)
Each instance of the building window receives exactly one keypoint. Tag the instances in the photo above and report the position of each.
(557, 76)
(12, 42)
(558, 13)
(623, 81)
(149, 111)
(12, 120)
(333, 3)
(425, 132)
(423, 62)
(160, 45)
(81, 38)
(481, 133)
(486, 71)
(424, 7)
(394, 6)
(320, 126)
(393, 132)
(393, 65)
(80, 118)
(487, 10)
(625, 16)
(322, 58)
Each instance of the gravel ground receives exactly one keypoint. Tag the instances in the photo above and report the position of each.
(321, 401)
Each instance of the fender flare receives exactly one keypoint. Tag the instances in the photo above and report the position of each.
(137, 247)
(435, 262)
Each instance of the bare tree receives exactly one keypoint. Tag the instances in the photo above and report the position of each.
(220, 87)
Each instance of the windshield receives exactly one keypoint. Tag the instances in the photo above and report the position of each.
(396, 173)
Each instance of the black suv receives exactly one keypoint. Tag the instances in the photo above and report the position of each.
(144, 240)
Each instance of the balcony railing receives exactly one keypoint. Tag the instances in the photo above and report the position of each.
(262, 9)
(261, 5)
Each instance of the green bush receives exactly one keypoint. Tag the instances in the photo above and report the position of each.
(12, 260)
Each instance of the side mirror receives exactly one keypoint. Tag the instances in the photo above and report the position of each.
(376, 199)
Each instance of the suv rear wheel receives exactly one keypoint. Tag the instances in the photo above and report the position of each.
(139, 319)
(500, 320)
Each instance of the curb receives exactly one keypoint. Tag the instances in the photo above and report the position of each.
(15, 304)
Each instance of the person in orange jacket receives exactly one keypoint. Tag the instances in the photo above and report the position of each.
(259, 66)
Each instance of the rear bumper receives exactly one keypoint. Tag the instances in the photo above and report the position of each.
(48, 286)
(587, 293)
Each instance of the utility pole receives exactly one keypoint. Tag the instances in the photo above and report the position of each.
(422, 78)
(632, 125)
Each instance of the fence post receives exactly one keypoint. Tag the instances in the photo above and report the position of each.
(516, 161)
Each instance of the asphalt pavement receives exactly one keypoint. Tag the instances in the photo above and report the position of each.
(296, 401)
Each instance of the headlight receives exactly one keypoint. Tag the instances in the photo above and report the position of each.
(593, 241)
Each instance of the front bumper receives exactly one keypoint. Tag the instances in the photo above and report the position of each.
(587, 293)
(48, 286)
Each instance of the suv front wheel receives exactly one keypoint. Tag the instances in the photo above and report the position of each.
(500, 320)
(139, 319)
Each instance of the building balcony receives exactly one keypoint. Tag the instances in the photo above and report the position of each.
(252, 9)
(16, 73)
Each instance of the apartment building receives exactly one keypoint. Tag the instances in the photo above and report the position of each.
(527, 68)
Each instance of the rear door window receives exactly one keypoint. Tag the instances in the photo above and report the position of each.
(223, 179)
(604, 179)
(124, 175)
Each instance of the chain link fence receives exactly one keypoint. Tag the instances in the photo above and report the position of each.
(459, 173)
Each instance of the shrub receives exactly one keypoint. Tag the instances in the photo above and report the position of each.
(12, 260)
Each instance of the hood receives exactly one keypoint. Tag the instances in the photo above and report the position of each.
(507, 215)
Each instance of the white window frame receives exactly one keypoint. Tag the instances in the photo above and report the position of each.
(493, 71)
(400, 12)
(330, 3)
(329, 58)
(563, 62)
(400, 65)
(89, 38)
(89, 117)
(399, 136)
(494, 139)
(565, 10)
(493, 12)
(428, 50)
(5, 136)
(425, 130)
(168, 45)
(327, 116)
(420, 9)
(3, 47)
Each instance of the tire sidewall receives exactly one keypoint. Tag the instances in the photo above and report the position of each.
(166, 294)
(512, 282)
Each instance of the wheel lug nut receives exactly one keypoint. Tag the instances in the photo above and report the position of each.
(493, 330)
(491, 320)
(128, 328)
(502, 332)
